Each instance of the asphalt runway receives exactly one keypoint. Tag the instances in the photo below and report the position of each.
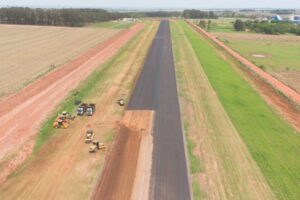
(156, 89)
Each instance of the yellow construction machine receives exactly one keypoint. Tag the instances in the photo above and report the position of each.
(62, 120)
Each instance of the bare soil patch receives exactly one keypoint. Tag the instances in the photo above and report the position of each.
(291, 78)
(119, 174)
(28, 52)
(259, 56)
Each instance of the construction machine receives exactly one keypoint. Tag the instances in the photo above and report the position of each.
(90, 109)
(89, 136)
(96, 146)
(62, 120)
(82, 109)
(121, 102)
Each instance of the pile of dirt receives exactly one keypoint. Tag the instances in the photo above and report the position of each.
(123, 168)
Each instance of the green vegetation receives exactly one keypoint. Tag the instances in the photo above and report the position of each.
(239, 25)
(222, 25)
(273, 144)
(195, 165)
(198, 14)
(113, 24)
(83, 91)
(56, 17)
(266, 27)
(280, 54)
(196, 190)
(273, 28)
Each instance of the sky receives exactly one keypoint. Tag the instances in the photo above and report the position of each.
(156, 4)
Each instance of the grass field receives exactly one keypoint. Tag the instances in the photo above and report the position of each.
(221, 25)
(40, 49)
(273, 144)
(112, 25)
(221, 166)
(281, 53)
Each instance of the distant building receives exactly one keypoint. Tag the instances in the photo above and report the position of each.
(296, 19)
(277, 18)
(129, 20)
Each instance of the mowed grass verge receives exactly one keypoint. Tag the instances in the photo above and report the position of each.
(82, 92)
(273, 144)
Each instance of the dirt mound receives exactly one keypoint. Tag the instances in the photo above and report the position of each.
(119, 174)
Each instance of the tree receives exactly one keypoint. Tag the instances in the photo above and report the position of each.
(202, 24)
(208, 25)
(239, 25)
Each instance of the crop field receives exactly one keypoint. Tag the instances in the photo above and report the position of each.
(40, 49)
(221, 25)
(276, 54)
(272, 143)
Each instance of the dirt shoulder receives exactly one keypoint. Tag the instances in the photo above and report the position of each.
(63, 168)
(123, 175)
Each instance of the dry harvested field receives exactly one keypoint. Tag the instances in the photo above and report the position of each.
(66, 155)
(276, 54)
(28, 52)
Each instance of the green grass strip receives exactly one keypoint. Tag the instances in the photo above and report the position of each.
(272, 142)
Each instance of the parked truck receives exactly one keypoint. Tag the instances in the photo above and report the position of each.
(90, 109)
(81, 110)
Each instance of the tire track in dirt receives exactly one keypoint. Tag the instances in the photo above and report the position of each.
(41, 97)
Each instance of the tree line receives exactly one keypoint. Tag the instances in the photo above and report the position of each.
(198, 14)
(81, 17)
(266, 27)
(56, 17)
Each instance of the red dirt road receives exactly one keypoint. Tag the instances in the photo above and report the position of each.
(287, 91)
(22, 113)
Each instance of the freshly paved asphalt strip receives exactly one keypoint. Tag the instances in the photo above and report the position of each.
(156, 90)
